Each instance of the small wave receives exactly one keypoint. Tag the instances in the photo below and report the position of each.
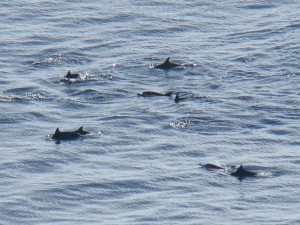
(27, 97)
(244, 59)
(245, 98)
(36, 166)
(92, 100)
(278, 109)
(203, 124)
(264, 174)
(181, 124)
(59, 60)
(8, 120)
(294, 26)
(84, 78)
(90, 191)
(86, 92)
(259, 6)
(271, 122)
(91, 96)
(279, 132)
(81, 78)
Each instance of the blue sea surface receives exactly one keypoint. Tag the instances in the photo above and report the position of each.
(240, 80)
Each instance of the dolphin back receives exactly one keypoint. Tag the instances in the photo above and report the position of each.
(166, 65)
(67, 135)
(81, 131)
(241, 173)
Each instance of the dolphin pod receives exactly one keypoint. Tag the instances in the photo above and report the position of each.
(240, 172)
(167, 65)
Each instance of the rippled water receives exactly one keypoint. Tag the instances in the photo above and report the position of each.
(140, 165)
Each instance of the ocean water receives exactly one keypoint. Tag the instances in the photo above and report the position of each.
(140, 164)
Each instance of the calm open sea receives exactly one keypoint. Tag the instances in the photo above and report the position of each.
(240, 79)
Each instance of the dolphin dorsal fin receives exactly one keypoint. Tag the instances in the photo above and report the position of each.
(241, 168)
(177, 98)
(57, 131)
(167, 61)
(69, 72)
(80, 129)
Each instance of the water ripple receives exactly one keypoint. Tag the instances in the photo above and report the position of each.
(60, 60)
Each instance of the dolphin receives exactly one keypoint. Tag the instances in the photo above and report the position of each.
(72, 75)
(242, 173)
(212, 166)
(216, 166)
(81, 131)
(167, 65)
(66, 135)
(153, 93)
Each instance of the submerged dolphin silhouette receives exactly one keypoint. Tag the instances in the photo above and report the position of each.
(154, 93)
(72, 75)
(242, 173)
(81, 131)
(167, 65)
(66, 135)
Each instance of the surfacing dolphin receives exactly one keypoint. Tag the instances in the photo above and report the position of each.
(241, 173)
(72, 75)
(212, 166)
(167, 65)
(216, 166)
(65, 135)
(154, 93)
(178, 99)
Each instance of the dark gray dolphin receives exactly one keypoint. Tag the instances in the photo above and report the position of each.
(242, 173)
(153, 93)
(212, 166)
(81, 131)
(72, 75)
(167, 65)
(66, 135)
